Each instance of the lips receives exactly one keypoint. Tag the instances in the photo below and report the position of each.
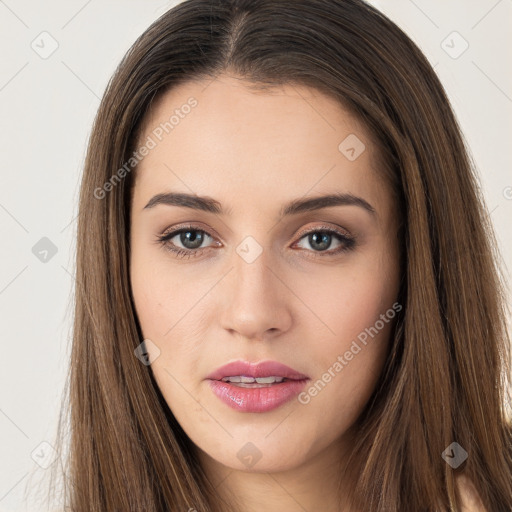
(262, 369)
(256, 398)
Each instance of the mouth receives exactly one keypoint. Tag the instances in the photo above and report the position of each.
(256, 387)
(243, 381)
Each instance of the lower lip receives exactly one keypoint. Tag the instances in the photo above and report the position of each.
(257, 399)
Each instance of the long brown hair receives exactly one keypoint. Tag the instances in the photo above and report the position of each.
(447, 374)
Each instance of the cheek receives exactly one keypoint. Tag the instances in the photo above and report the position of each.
(173, 313)
(358, 324)
(344, 302)
(348, 367)
(158, 293)
(352, 340)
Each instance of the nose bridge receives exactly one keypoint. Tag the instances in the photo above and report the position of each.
(253, 277)
(253, 267)
(255, 299)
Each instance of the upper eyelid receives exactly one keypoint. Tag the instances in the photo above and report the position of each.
(171, 233)
(177, 230)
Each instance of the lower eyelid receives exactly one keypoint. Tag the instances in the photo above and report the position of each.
(347, 242)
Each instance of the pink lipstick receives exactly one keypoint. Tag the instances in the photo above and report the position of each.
(256, 387)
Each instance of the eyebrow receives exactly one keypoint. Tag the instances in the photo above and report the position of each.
(294, 207)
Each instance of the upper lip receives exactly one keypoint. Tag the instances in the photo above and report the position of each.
(261, 369)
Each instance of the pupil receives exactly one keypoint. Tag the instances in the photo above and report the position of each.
(324, 242)
(191, 239)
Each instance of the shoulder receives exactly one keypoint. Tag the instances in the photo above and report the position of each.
(470, 499)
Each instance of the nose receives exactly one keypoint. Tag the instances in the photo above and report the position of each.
(257, 299)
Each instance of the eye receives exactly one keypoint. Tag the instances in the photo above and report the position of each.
(192, 238)
(320, 239)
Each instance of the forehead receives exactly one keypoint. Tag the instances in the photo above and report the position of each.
(290, 139)
(233, 106)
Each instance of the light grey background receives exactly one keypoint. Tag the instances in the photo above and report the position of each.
(47, 108)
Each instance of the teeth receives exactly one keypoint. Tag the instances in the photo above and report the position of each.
(268, 380)
(250, 380)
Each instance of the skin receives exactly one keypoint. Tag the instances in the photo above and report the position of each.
(253, 152)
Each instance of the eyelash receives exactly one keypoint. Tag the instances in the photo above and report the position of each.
(348, 243)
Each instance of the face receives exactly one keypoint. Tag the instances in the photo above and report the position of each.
(258, 272)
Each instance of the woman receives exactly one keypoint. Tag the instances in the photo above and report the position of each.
(287, 297)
